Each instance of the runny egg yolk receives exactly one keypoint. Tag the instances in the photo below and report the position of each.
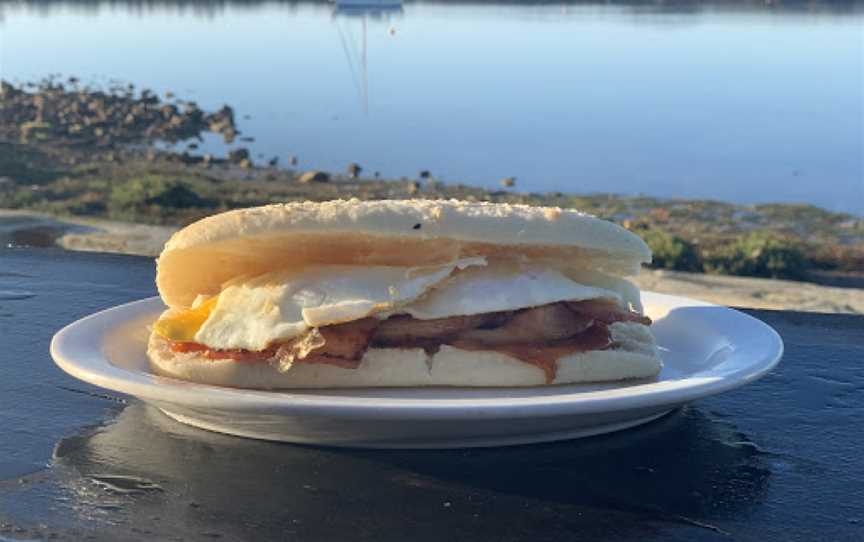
(182, 326)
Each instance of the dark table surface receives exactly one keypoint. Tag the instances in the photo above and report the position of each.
(780, 459)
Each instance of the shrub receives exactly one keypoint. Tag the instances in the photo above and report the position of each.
(135, 191)
(671, 252)
(758, 254)
(152, 190)
(22, 198)
(178, 196)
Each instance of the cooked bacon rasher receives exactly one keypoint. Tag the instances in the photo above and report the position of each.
(538, 336)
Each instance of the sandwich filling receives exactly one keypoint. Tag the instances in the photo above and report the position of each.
(334, 314)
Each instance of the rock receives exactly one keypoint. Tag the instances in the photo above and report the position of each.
(314, 176)
(425, 174)
(217, 126)
(192, 111)
(80, 116)
(238, 155)
(508, 182)
(33, 131)
(226, 111)
(354, 170)
(168, 111)
(222, 122)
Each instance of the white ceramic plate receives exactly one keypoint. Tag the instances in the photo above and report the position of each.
(707, 349)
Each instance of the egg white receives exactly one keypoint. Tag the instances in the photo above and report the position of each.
(501, 288)
(252, 313)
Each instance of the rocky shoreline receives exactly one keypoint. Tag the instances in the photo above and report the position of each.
(73, 115)
(19, 228)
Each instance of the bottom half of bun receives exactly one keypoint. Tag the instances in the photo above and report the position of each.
(634, 355)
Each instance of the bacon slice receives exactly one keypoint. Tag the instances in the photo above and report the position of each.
(342, 345)
(210, 353)
(607, 312)
(546, 355)
(541, 324)
(403, 330)
(349, 340)
(249, 356)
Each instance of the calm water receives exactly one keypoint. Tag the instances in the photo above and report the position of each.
(741, 102)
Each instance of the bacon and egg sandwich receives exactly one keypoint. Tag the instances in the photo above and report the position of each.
(401, 293)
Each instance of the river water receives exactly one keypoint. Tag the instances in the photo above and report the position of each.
(733, 101)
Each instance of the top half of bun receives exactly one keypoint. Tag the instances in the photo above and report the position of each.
(202, 256)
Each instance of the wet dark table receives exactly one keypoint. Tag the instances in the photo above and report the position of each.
(780, 459)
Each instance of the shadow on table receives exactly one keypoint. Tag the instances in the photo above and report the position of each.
(685, 469)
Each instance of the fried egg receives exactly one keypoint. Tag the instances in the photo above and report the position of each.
(252, 313)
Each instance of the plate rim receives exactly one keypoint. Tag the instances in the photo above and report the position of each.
(94, 368)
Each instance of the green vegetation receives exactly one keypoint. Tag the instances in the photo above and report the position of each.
(23, 164)
(152, 195)
(759, 254)
(671, 251)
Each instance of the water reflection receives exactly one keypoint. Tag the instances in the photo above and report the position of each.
(684, 469)
(211, 8)
(345, 12)
(22, 230)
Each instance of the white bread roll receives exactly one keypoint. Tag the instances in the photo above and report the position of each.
(201, 257)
